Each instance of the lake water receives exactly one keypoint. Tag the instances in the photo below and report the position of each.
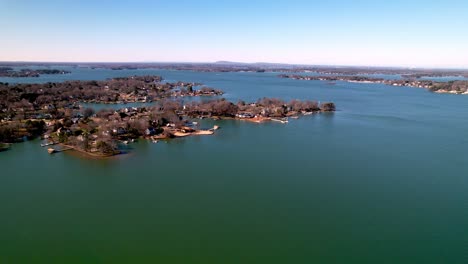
(382, 180)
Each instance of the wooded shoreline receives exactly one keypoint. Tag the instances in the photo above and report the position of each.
(54, 112)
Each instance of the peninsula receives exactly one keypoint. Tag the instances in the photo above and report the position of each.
(454, 87)
(10, 72)
(54, 111)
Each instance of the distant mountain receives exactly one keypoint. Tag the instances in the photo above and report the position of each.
(231, 63)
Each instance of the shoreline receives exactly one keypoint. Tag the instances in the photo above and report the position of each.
(169, 133)
(95, 155)
(178, 133)
(98, 155)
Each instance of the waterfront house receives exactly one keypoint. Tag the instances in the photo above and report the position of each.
(49, 107)
(150, 131)
(245, 115)
(119, 131)
(64, 131)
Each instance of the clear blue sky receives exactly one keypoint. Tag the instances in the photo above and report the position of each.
(334, 32)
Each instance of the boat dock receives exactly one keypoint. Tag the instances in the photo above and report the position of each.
(53, 150)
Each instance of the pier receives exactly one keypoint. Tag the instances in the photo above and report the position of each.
(53, 150)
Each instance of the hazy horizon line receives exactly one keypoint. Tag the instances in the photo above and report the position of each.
(241, 62)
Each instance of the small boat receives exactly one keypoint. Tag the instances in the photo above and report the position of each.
(4, 147)
(155, 141)
(51, 150)
(215, 127)
(125, 142)
(294, 117)
(47, 144)
(280, 120)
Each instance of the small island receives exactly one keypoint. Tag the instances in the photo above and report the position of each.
(54, 112)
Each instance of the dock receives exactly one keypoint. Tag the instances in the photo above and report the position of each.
(52, 150)
(213, 129)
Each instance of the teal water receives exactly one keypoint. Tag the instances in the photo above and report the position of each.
(382, 180)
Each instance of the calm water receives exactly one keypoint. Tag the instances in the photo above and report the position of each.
(382, 180)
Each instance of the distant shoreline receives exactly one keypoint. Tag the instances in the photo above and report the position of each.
(451, 87)
(232, 63)
(227, 66)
